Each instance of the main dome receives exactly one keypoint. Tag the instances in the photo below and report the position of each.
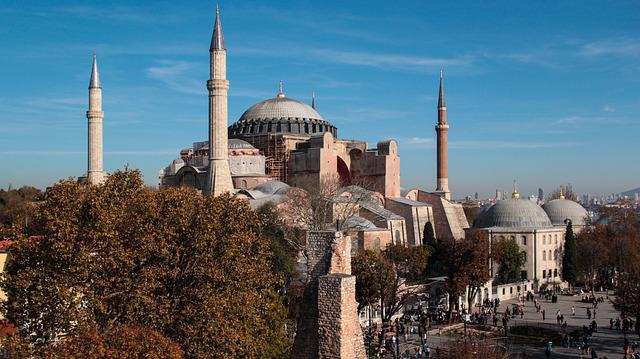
(560, 210)
(513, 213)
(280, 115)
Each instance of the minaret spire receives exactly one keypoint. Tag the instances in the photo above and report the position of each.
(515, 193)
(95, 116)
(441, 102)
(313, 100)
(217, 40)
(95, 76)
(442, 130)
(218, 179)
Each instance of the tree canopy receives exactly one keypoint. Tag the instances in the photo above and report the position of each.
(507, 253)
(570, 257)
(190, 267)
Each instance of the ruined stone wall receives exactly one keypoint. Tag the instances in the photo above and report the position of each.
(328, 325)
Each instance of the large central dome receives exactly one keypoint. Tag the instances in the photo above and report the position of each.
(280, 115)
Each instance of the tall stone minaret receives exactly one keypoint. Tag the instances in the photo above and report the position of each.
(218, 174)
(95, 170)
(442, 130)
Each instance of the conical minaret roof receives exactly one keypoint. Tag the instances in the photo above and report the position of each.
(441, 102)
(95, 76)
(217, 40)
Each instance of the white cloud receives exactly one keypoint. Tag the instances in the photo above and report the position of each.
(174, 75)
(382, 60)
(620, 46)
(608, 108)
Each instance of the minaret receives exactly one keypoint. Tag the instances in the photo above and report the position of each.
(95, 170)
(442, 130)
(218, 174)
(515, 193)
(313, 100)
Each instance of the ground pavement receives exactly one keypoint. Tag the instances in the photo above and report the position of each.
(607, 342)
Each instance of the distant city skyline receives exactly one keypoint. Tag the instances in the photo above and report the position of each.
(547, 93)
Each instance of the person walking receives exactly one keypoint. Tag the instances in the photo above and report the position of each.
(549, 349)
(543, 315)
(573, 311)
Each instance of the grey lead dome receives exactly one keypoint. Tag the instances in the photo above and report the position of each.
(281, 115)
(560, 210)
(513, 213)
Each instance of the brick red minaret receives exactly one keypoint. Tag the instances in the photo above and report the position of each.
(442, 130)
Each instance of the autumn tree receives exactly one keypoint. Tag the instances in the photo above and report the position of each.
(17, 206)
(569, 258)
(465, 263)
(384, 277)
(507, 254)
(315, 206)
(191, 267)
(120, 341)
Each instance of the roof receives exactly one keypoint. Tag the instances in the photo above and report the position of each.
(408, 202)
(271, 187)
(5, 244)
(217, 40)
(380, 211)
(513, 213)
(236, 143)
(560, 210)
(95, 76)
(357, 223)
(281, 115)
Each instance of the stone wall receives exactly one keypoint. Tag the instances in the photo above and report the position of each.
(328, 325)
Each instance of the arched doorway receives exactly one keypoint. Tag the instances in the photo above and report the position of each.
(343, 172)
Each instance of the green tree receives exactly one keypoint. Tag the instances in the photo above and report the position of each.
(569, 258)
(429, 236)
(188, 266)
(507, 253)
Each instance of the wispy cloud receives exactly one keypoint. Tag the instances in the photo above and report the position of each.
(619, 46)
(417, 142)
(74, 153)
(174, 75)
(608, 108)
(383, 60)
(508, 144)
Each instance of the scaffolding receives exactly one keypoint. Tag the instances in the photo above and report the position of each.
(274, 148)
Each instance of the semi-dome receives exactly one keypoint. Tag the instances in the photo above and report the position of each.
(236, 143)
(513, 213)
(560, 210)
(280, 115)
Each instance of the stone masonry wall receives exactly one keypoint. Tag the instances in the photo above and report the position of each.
(328, 325)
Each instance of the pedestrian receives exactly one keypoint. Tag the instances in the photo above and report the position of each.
(573, 310)
(549, 349)
(611, 323)
(543, 315)
(594, 313)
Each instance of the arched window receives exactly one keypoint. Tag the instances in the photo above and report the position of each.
(244, 184)
(524, 240)
(398, 236)
(524, 257)
(544, 239)
(556, 238)
(544, 272)
(544, 256)
(555, 254)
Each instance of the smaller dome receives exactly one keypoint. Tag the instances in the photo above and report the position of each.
(236, 143)
(560, 210)
(513, 213)
(272, 187)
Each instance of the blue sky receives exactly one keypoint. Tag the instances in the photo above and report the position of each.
(545, 92)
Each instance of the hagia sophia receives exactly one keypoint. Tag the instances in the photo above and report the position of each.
(282, 143)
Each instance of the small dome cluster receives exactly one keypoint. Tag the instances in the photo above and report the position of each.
(522, 213)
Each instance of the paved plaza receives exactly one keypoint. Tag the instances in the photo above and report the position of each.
(606, 342)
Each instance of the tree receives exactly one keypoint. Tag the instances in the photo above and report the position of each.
(507, 253)
(188, 266)
(569, 258)
(465, 263)
(120, 341)
(382, 277)
(429, 236)
(16, 206)
(313, 206)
